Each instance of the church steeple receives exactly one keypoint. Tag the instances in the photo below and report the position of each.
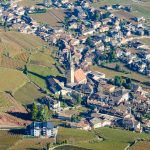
(70, 69)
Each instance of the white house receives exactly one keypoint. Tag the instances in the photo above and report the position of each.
(42, 129)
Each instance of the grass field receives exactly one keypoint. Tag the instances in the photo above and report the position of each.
(7, 140)
(27, 94)
(74, 135)
(11, 80)
(68, 147)
(114, 139)
(38, 74)
(141, 146)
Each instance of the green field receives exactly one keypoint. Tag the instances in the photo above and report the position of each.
(27, 94)
(68, 147)
(114, 139)
(38, 74)
(74, 135)
(11, 80)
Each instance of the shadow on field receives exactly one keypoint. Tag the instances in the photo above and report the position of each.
(24, 116)
(35, 74)
(17, 131)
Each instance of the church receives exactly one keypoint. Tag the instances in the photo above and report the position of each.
(74, 76)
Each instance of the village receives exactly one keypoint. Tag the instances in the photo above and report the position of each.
(89, 36)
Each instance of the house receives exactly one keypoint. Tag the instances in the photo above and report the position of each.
(88, 32)
(42, 129)
(53, 104)
(108, 88)
(95, 123)
(80, 77)
(66, 115)
(82, 125)
(54, 85)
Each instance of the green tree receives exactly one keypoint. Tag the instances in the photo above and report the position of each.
(79, 99)
(96, 15)
(118, 81)
(34, 112)
(117, 67)
(41, 114)
(60, 97)
(25, 71)
(112, 56)
(46, 113)
(75, 118)
(89, 42)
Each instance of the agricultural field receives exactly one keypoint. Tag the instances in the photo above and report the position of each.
(14, 43)
(7, 139)
(141, 146)
(27, 94)
(139, 8)
(5, 103)
(42, 59)
(53, 17)
(17, 142)
(117, 140)
(8, 62)
(11, 80)
(29, 3)
(31, 144)
(146, 41)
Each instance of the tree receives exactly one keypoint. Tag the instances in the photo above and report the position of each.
(79, 99)
(128, 83)
(117, 67)
(96, 15)
(60, 96)
(75, 118)
(41, 114)
(46, 113)
(89, 42)
(118, 81)
(25, 71)
(34, 112)
(112, 56)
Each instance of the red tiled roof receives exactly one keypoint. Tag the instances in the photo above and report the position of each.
(79, 76)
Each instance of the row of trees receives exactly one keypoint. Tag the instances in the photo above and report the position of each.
(41, 113)
(119, 81)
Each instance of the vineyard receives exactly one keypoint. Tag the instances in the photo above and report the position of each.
(7, 139)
